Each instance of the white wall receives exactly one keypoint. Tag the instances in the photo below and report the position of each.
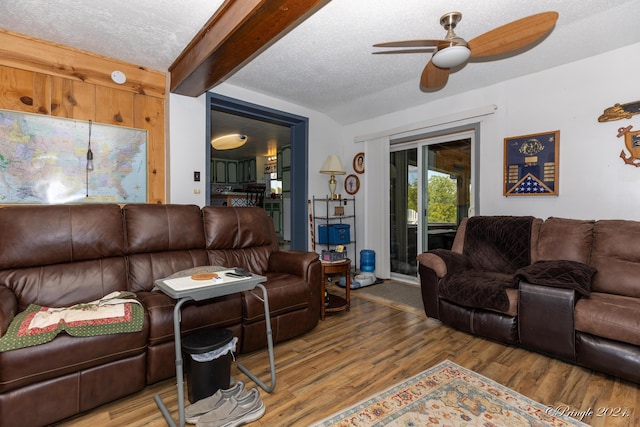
(593, 180)
(187, 146)
(188, 134)
(186, 153)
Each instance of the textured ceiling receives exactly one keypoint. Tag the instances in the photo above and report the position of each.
(150, 33)
(326, 62)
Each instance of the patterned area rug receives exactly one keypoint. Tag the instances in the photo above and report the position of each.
(448, 395)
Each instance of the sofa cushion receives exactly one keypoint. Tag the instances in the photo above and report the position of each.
(609, 316)
(498, 243)
(616, 255)
(562, 238)
(61, 255)
(213, 313)
(116, 313)
(480, 289)
(239, 237)
(65, 355)
(62, 285)
(157, 228)
(161, 240)
(145, 269)
(285, 292)
(56, 234)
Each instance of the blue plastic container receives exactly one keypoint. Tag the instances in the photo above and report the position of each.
(334, 234)
(367, 260)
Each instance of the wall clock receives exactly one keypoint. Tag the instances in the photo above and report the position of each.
(351, 184)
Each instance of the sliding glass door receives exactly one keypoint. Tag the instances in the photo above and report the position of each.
(430, 193)
(447, 191)
(404, 208)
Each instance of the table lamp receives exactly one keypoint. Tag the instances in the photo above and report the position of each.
(332, 166)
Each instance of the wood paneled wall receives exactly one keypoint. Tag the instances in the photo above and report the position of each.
(44, 78)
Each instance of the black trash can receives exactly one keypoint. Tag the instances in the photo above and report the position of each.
(212, 373)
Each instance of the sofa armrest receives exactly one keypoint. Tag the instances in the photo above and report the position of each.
(8, 308)
(296, 263)
(545, 319)
(443, 261)
(432, 267)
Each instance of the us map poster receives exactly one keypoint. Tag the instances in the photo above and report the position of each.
(43, 160)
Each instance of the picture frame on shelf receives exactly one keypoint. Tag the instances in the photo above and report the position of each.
(531, 164)
(352, 184)
(358, 163)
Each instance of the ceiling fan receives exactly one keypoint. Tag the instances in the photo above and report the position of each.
(453, 51)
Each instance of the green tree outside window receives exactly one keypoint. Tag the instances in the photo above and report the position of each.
(442, 201)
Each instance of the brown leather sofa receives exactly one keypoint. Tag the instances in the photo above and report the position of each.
(564, 287)
(61, 255)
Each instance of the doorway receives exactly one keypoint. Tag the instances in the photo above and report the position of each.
(298, 135)
(430, 193)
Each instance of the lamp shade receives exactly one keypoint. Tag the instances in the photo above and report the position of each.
(451, 56)
(229, 142)
(332, 166)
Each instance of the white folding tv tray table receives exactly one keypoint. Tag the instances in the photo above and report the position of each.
(183, 289)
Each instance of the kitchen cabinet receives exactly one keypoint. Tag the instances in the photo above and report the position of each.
(274, 210)
(247, 170)
(286, 183)
(219, 171)
(224, 171)
(284, 170)
(286, 157)
(260, 164)
(232, 172)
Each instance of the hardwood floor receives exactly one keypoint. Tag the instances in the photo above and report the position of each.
(352, 355)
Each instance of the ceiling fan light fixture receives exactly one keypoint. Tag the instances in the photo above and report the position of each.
(229, 142)
(451, 56)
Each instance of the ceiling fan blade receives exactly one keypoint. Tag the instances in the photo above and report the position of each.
(513, 36)
(433, 78)
(411, 43)
(417, 50)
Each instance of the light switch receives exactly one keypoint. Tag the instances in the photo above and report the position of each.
(196, 176)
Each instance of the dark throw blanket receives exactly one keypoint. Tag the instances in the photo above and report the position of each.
(478, 289)
(494, 248)
(498, 243)
(559, 274)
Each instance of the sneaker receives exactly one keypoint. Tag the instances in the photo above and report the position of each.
(208, 404)
(234, 412)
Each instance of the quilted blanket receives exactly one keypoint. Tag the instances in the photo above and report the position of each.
(115, 313)
(479, 289)
(498, 243)
(494, 248)
(560, 274)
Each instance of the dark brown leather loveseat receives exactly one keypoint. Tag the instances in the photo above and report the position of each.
(567, 288)
(61, 255)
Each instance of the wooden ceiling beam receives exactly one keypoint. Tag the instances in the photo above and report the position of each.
(236, 33)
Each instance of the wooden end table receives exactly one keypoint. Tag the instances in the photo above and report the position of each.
(336, 303)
